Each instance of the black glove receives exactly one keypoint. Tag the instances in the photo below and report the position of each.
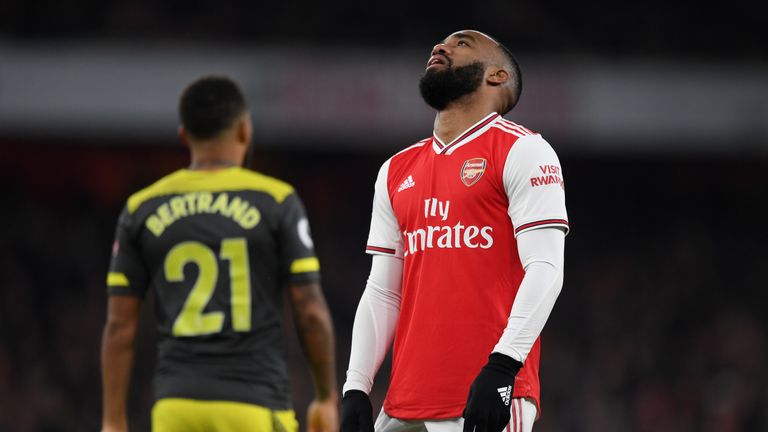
(356, 412)
(490, 394)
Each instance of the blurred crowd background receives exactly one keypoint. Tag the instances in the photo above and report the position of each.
(658, 110)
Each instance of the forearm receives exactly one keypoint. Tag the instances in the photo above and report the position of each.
(541, 252)
(375, 322)
(315, 331)
(117, 352)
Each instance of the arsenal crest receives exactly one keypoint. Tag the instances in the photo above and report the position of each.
(472, 170)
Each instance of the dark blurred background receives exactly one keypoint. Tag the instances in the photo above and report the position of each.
(658, 110)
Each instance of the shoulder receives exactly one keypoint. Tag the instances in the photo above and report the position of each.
(531, 153)
(253, 180)
(511, 134)
(514, 143)
(156, 189)
(533, 147)
(409, 151)
(406, 155)
(513, 129)
(231, 179)
(401, 159)
(521, 141)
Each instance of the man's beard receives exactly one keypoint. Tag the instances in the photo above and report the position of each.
(441, 87)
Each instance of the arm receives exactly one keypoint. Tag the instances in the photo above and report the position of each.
(117, 352)
(541, 253)
(378, 311)
(315, 331)
(379, 307)
(372, 334)
(375, 322)
(310, 313)
(533, 182)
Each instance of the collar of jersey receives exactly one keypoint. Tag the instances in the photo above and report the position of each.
(468, 135)
(209, 172)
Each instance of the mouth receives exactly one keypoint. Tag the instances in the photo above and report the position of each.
(438, 59)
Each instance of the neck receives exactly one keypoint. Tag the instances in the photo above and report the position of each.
(459, 116)
(213, 156)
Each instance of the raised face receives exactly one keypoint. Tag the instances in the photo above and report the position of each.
(458, 66)
(463, 48)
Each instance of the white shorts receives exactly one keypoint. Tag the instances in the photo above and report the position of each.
(522, 416)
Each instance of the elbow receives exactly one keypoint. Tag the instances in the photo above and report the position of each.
(551, 271)
(557, 283)
(316, 317)
(309, 306)
(120, 331)
(382, 293)
(557, 287)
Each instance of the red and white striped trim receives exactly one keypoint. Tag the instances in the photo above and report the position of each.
(378, 249)
(514, 125)
(473, 132)
(418, 144)
(513, 418)
(516, 416)
(509, 131)
(437, 145)
(516, 130)
(543, 222)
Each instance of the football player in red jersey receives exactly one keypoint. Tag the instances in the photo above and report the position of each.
(467, 236)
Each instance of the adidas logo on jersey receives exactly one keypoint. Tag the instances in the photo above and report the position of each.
(408, 183)
(506, 394)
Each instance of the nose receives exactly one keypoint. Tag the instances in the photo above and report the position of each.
(440, 48)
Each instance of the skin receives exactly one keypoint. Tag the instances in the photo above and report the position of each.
(315, 331)
(310, 311)
(224, 150)
(117, 351)
(494, 95)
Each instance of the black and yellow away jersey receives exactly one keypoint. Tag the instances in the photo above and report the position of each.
(218, 248)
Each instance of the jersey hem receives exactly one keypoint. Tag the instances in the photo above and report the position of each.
(244, 400)
(454, 411)
(429, 414)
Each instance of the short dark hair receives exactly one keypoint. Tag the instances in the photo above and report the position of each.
(517, 74)
(210, 105)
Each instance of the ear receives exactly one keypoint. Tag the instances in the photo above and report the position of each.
(497, 76)
(244, 129)
(183, 135)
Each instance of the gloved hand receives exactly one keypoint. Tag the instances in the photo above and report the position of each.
(490, 394)
(356, 412)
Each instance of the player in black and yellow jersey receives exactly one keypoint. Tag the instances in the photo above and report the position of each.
(217, 244)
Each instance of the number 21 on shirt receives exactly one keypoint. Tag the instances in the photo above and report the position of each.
(192, 321)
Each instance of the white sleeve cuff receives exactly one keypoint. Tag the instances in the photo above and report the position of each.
(357, 381)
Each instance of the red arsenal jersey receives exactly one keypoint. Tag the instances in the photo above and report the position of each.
(452, 211)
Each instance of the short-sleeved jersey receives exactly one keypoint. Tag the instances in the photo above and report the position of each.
(452, 212)
(218, 249)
